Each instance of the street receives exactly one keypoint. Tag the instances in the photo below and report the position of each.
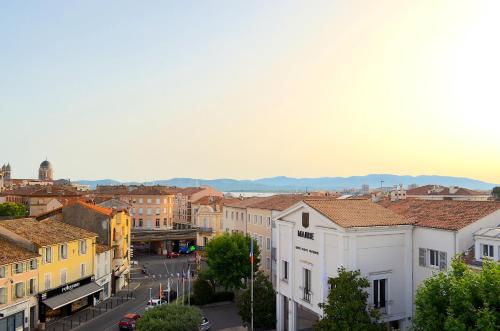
(159, 269)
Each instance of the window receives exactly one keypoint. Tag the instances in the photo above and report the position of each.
(260, 220)
(82, 247)
(47, 281)
(149, 200)
(32, 286)
(63, 276)
(268, 263)
(487, 250)
(285, 271)
(157, 223)
(254, 219)
(140, 211)
(164, 221)
(47, 255)
(433, 258)
(306, 284)
(268, 243)
(242, 217)
(157, 211)
(2, 272)
(3, 295)
(140, 201)
(140, 222)
(237, 215)
(165, 201)
(248, 218)
(232, 215)
(158, 201)
(63, 252)
(305, 220)
(227, 213)
(33, 264)
(82, 270)
(268, 219)
(18, 268)
(379, 293)
(149, 211)
(19, 290)
(261, 239)
(164, 210)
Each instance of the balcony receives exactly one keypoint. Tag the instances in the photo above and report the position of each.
(382, 307)
(306, 294)
(205, 230)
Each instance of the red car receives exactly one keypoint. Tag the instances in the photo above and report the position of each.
(172, 255)
(128, 322)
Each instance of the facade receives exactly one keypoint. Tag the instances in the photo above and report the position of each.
(102, 270)
(437, 192)
(113, 228)
(183, 202)
(316, 237)
(5, 176)
(18, 287)
(66, 271)
(207, 218)
(46, 172)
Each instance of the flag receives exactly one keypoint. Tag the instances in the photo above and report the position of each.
(161, 292)
(251, 251)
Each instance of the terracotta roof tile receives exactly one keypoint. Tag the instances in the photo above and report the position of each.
(441, 190)
(97, 208)
(99, 248)
(11, 253)
(46, 232)
(281, 202)
(356, 213)
(442, 214)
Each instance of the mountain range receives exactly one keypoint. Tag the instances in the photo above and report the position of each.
(290, 184)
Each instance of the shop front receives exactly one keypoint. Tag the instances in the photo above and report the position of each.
(18, 316)
(67, 299)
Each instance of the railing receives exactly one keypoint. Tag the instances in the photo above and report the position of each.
(204, 229)
(382, 307)
(306, 294)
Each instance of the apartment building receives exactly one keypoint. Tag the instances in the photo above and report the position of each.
(113, 227)
(185, 197)
(103, 272)
(207, 218)
(151, 206)
(66, 271)
(235, 216)
(18, 287)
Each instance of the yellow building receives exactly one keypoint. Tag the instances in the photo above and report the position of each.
(207, 218)
(65, 272)
(113, 226)
(18, 287)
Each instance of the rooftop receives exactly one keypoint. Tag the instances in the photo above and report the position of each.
(443, 190)
(45, 232)
(281, 202)
(356, 213)
(11, 253)
(99, 248)
(44, 191)
(442, 214)
(96, 208)
(489, 233)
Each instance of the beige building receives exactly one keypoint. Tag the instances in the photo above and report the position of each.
(184, 199)
(207, 218)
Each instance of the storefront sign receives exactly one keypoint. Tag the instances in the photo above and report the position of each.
(70, 287)
(304, 234)
(65, 288)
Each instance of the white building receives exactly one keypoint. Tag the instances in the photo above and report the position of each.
(396, 248)
(316, 237)
(102, 270)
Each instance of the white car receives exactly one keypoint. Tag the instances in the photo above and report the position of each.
(154, 303)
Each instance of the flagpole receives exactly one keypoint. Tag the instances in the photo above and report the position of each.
(251, 284)
(189, 286)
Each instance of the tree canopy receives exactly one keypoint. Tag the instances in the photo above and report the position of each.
(170, 318)
(264, 304)
(228, 260)
(496, 192)
(460, 299)
(346, 308)
(12, 209)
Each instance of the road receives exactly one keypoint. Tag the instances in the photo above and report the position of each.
(159, 269)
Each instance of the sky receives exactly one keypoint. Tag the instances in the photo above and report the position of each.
(249, 89)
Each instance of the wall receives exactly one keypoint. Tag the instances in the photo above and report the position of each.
(259, 227)
(86, 218)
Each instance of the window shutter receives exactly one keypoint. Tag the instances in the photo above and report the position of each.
(442, 261)
(421, 257)
(481, 250)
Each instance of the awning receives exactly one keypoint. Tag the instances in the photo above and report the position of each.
(72, 296)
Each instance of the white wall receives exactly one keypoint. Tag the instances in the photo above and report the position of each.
(465, 235)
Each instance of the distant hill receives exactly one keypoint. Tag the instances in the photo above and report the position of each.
(289, 184)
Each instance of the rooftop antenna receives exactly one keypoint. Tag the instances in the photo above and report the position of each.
(381, 183)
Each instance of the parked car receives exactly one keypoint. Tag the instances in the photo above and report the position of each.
(128, 321)
(155, 303)
(172, 255)
(205, 324)
(173, 295)
(187, 249)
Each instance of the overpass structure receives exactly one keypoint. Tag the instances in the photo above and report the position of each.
(138, 236)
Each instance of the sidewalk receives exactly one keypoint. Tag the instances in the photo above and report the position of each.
(86, 315)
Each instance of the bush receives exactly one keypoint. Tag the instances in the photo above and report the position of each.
(170, 318)
(202, 292)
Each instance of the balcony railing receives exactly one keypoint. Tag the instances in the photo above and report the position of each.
(382, 307)
(205, 229)
(306, 294)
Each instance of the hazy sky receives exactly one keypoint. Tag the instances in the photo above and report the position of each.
(246, 89)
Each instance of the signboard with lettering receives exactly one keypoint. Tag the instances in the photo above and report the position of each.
(304, 234)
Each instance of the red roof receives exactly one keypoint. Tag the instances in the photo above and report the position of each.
(442, 214)
(96, 208)
(442, 190)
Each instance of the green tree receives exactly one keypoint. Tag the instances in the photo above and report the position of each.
(346, 308)
(12, 209)
(264, 303)
(202, 291)
(496, 192)
(228, 260)
(170, 318)
(460, 299)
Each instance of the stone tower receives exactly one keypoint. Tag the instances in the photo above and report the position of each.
(45, 172)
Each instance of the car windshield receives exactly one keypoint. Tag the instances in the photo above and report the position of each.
(126, 320)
